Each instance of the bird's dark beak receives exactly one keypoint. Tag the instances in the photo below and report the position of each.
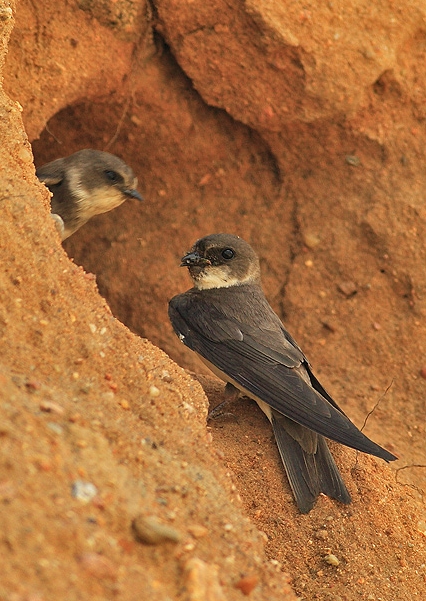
(133, 194)
(194, 260)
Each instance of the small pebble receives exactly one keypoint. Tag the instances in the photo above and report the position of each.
(51, 407)
(347, 288)
(329, 326)
(135, 119)
(25, 154)
(33, 385)
(353, 160)
(148, 530)
(423, 372)
(154, 391)
(83, 491)
(321, 534)
(205, 179)
(311, 240)
(331, 559)
(165, 376)
(5, 13)
(201, 581)
(55, 428)
(189, 547)
(247, 584)
(198, 531)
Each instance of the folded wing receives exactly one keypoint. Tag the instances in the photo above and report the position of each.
(265, 362)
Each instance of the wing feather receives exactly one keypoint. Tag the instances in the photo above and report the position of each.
(262, 361)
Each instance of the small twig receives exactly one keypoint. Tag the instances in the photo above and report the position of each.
(368, 416)
(53, 135)
(413, 486)
(119, 125)
(376, 405)
(405, 467)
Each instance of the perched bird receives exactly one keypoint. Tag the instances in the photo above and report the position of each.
(85, 184)
(226, 319)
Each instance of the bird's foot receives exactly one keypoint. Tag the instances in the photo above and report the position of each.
(231, 394)
(217, 413)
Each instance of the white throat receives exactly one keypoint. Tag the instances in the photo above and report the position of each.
(220, 277)
(95, 201)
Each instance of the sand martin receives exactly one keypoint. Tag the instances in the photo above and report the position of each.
(85, 184)
(226, 319)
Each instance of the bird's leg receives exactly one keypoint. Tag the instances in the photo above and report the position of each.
(231, 394)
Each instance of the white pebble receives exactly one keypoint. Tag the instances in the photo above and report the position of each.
(84, 491)
(331, 559)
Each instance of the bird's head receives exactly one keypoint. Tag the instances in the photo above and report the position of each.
(221, 261)
(102, 181)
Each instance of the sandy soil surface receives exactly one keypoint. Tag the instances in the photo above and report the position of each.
(302, 132)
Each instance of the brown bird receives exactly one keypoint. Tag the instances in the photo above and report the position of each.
(226, 319)
(85, 184)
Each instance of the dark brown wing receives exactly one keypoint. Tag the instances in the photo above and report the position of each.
(52, 173)
(256, 354)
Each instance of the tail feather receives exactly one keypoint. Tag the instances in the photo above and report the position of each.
(331, 481)
(310, 472)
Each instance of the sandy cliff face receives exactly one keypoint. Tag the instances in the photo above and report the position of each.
(300, 128)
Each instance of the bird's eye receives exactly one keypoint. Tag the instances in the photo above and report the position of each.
(112, 175)
(228, 253)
